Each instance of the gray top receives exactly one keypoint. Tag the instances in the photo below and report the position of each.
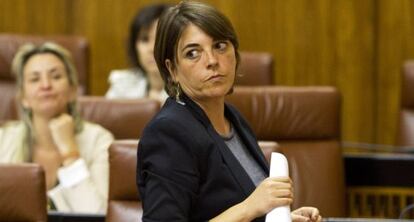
(242, 154)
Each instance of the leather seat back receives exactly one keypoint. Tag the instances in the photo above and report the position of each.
(255, 69)
(123, 199)
(23, 193)
(125, 118)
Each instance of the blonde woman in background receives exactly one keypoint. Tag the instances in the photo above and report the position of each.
(51, 133)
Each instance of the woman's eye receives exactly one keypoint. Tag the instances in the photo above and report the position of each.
(33, 79)
(144, 38)
(221, 45)
(57, 75)
(192, 54)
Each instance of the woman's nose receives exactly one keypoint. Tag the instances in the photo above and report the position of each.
(45, 83)
(212, 60)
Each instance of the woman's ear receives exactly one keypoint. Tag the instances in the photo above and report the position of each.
(171, 69)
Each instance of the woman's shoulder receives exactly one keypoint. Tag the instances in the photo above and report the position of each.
(127, 84)
(177, 128)
(172, 111)
(12, 136)
(173, 118)
(122, 74)
(14, 126)
(12, 130)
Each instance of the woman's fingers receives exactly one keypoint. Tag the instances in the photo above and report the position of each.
(299, 218)
(311, 213)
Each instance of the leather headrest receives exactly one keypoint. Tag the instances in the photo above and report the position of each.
(276, 112)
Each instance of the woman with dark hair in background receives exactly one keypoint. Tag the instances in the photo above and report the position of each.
(198, 159)
(143, 79)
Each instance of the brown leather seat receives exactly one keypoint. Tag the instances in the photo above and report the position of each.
(124, 203)
(255, 69)
(305, 123)
(22, 193)
(8, 107)
(405, 133)
(10, 43)
(125, 118)
(123, 199)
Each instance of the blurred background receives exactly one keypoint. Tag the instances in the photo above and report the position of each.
(358, 46)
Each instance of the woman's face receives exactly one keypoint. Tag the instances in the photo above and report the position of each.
(205, 67)
(46, 88)
(145, 48)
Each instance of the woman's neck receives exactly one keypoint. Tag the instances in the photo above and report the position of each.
(214, 110)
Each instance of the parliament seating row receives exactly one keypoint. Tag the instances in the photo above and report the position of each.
(304, 121)
(256, 68)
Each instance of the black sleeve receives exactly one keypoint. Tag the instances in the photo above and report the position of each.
(167, 172)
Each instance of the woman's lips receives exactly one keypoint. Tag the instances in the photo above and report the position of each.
(214, 77)
(47, 95)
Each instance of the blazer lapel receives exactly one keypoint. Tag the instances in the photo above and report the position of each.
(235, 167)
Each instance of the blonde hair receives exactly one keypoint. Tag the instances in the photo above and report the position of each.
(23, 55)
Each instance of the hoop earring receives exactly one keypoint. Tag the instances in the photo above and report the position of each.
(177, 94)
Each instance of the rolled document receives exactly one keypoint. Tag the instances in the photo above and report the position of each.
(279, 168)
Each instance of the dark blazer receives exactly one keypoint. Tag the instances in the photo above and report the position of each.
(185, 172)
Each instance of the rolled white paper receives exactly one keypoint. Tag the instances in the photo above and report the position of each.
(279, 168)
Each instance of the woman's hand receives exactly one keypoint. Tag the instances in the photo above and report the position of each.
(272, 192)
(306, 214)
(62, 129)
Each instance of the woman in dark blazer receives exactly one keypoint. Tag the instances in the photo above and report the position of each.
(198, 159)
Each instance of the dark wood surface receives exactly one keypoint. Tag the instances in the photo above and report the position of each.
(54, 216)
(379, 169)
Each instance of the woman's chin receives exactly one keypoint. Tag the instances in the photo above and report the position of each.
(216, 94)
(48, 111)
(220, 91)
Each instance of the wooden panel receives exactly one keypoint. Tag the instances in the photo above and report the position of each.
(34, 17)
(395, 45)
(105, 24)
(317, 43)
(357, 46)
(354, 67)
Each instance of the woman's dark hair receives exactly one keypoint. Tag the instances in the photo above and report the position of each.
(175, 20)
(142, 22)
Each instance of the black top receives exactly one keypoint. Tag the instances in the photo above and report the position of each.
(185, 172)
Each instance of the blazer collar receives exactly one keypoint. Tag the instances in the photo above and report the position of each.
(250, 142)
